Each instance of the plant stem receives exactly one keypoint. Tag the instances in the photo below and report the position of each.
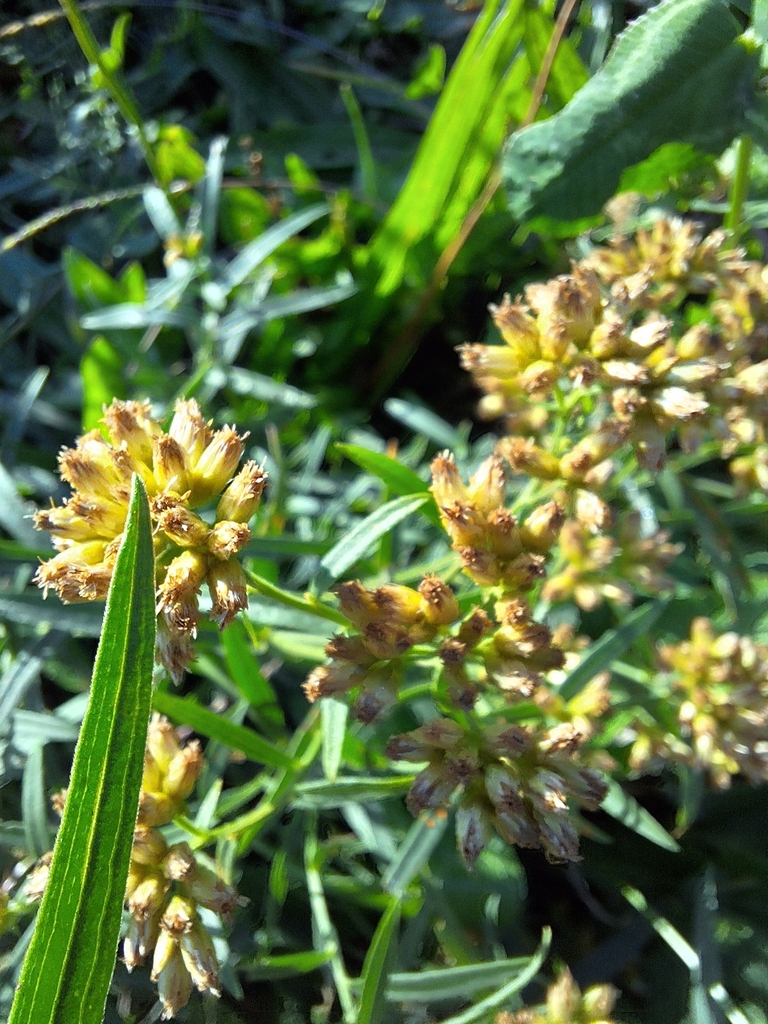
(304, 604)
(739, 187)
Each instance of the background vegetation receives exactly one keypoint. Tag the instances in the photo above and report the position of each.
(293, 213)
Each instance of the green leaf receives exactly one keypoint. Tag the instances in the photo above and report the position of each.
(501, 995)
(375, 974)
(624, 808)
(34, 804)
(320, 795)
(430, 74)
(248, 678)
(423, 836)
(285, 966)
(677, 74)
(69, 964)
(102, 379)
(358, 541)
(454, 982)
(14, 514)
(611, 645)
(187, 711)
(400, 479)
(424, 421)
(254, 254)
(663, 168)
(333, 717)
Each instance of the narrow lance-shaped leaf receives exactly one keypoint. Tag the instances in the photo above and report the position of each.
(69, 963)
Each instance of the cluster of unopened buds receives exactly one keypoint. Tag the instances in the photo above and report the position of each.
(565, 1003)
(515, 780)
(717, 684)
(611, 331)
(167, 885)
(188, 467)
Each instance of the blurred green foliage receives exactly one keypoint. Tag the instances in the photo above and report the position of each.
(311, 162)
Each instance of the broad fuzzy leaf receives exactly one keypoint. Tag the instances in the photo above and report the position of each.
(678, 74)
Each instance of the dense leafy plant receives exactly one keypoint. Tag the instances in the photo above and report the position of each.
(464, 696)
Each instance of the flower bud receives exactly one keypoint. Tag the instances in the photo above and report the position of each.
(227, 585)
(200, 958)
(182, 526)
(241, 499)
(179, 864)
(190, 430)
(432, 787)
(130, 425)
(149, 847)
(473, 830)
(174, 984)
(210, 890)
(439, 602)
(169, 464)
(216, 465)
(184, 771)
(542, 527)
(140, 939)
(525, 457)
(227, 538)
(148, 896)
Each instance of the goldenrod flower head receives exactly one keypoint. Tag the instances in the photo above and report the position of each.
(603, 330)
(600, 566)
(183, 469)
(389, 621)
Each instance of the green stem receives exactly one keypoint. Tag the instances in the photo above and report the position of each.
(739, 187)
(115, 86)
(304, 604)
(326, 938)
(303, 749)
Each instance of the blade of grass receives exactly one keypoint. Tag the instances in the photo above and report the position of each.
(70, 961)
(423, 836)
(324, 934)
(375, 974)
(362, 143)
(333, 715)
(499, 997)
(400, 479)
(453, 982)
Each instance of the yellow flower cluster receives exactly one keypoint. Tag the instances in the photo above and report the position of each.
(567, 1004)
(167, 884)
(183, 469)
(719, 685)
(611, 329)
